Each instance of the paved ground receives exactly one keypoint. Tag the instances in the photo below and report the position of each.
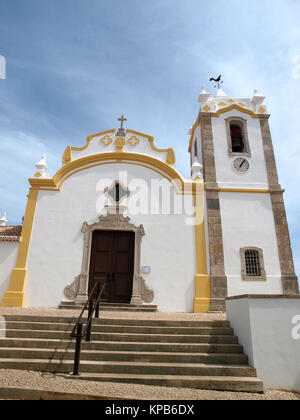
(50, 382)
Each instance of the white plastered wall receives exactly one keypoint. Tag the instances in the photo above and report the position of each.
(56, 247)
(247, 218)
(247, 221)
(268, 328)
(227, 177)
(8, 258)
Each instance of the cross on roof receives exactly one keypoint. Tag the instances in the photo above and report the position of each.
(122, 119)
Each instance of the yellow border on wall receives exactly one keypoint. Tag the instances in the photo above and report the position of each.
(15, 296)
(202, 279)
(114, 157)
(170, 159)
(67, 156)
(236, 107)
(196, 124)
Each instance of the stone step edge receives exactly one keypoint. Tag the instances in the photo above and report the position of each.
(217, 383)
(119, 334)
(131, 343)
(71, 325)
(107, 332)
(107, 304)
(125, 353)
(109, 309)
(117, 363)
(24, 393)
(116, 321)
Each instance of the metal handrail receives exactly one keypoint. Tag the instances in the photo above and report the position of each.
(77, 330)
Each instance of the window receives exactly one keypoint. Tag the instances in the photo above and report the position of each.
(195, 149)
(237, 137)
(252, 262)
(116, 192)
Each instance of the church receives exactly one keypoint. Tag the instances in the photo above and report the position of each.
(118, 212)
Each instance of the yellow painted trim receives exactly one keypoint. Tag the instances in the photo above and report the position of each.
(68, 170)
(132, 142)
(196, 124)
(170, 159)
(67, 156)
(202, 279)
(120, 143)
(90, 138)
(236, 107)
(15, 296)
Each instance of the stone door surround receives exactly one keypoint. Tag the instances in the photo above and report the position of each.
(115, 221)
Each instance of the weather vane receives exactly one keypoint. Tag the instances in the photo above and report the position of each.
(219, 82)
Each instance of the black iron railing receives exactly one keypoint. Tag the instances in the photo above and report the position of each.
(78, 332)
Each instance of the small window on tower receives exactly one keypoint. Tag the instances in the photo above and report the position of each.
(237, 138)
(196, 148)
(252, 264)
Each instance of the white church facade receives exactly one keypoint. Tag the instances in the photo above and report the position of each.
(118, 212)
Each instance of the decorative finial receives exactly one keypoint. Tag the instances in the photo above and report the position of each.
(219, 82)
(3, 220)
(204, 96)
(42, 168)
(197, 170)
(121, 131)
(257, 99)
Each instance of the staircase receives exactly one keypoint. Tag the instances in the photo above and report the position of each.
(188, 354)
(120, 307)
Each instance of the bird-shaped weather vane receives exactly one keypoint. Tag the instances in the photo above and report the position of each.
(219, 81)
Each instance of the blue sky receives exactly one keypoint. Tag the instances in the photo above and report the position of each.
(74, 66)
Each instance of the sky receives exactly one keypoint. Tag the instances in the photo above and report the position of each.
(74, 66)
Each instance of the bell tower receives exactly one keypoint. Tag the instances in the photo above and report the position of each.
(248, 237)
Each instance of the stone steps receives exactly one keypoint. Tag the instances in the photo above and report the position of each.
(119, 355)
(138, 368)
(121, 337)
(220, 383)
(120, 307)
(123, 329)
(203, 354)
(118, 321)
(115, 346)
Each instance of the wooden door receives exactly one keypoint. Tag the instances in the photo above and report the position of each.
(112, 259)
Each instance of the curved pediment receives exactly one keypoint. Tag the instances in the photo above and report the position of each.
(110, 142)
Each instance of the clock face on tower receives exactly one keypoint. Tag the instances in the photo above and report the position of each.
(241, 165)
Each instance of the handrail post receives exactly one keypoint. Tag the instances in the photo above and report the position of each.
(89, 328)
(77, 350)
(98, 304)
(78, 331)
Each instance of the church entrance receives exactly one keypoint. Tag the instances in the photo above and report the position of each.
(112, 259)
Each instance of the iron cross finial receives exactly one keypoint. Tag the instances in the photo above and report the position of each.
(122, 119)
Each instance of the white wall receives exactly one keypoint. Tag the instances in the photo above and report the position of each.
(56, 248)
(247, 221)
(264, 327)
(8, 258)
(256, 177)
(96, 146)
